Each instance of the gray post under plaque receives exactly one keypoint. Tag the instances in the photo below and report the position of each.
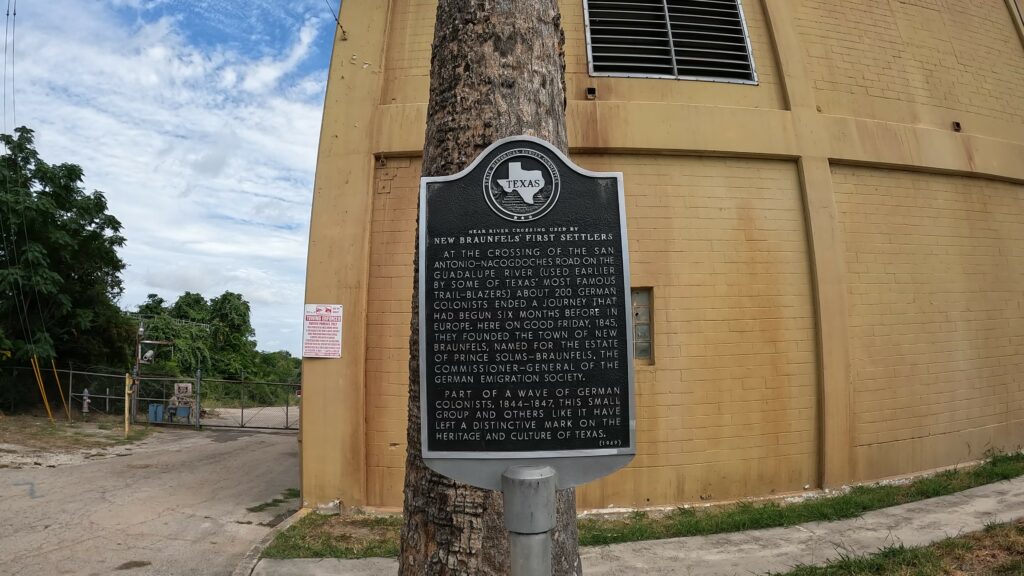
(529, 497)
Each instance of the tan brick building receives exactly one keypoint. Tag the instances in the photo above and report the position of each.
(825, 204)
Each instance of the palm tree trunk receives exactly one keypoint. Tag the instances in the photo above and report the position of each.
(498, 70)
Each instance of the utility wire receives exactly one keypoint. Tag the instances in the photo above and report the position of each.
(14, 93)
(329, 7)
(14, 121)
(7, 30)
(20, 304)
(7, 185)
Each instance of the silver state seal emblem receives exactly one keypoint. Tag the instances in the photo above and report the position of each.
(521, 184)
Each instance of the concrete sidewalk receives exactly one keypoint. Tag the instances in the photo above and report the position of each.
(756, 551)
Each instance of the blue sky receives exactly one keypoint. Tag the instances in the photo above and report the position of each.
(199, 119)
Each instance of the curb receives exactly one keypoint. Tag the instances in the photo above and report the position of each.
(252, 557)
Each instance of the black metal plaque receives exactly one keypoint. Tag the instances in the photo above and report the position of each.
(525, 324)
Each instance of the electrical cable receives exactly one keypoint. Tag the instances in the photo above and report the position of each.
(7, 30)
(14, 120)
(7, 185)
(19, 298)
(7, 181)
(18, 303)
(329, 7)
(14, 93)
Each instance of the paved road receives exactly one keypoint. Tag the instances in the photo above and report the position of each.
(176, 504)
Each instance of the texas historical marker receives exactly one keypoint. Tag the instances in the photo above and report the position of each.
(525, 323)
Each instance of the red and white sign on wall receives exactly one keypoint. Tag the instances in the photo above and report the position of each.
(321, 331)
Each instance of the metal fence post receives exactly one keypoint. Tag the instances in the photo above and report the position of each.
(71, 379)
(241, 387)
(199, 397)
(529, 497)
(287, 403)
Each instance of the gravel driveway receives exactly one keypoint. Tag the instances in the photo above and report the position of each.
(172, 504)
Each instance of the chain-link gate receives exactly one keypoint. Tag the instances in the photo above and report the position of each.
(243, 404)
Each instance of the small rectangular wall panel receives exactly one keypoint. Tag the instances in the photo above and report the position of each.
(935, 280)
(728, 408)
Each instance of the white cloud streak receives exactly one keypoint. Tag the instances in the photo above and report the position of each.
(206, 154)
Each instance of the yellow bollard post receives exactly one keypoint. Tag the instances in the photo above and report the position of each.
(67, 408)
(42, 386)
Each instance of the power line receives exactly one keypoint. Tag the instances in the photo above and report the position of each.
(7, 185)
(14, 93)
(7, 30)
(329, 7)
(18, 303)
(22, 305)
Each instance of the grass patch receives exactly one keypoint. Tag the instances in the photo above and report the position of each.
(752, 516)
(998, 550)
(319, 536)
(38, 433)
(289, 494)
(134, 435)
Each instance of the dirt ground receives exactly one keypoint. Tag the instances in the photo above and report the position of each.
(34, 441)
(79, 500)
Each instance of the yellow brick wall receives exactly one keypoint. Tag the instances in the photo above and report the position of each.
(883, 58)
(728, 409)
(388, 313)
(410, 33)
(407, 76)
(935, 284)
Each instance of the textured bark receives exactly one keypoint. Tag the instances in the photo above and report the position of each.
(497, 70)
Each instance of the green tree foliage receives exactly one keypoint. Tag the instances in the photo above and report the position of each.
(216, 336)
(191, 306)
(278, 366)
(59, 250)
(232, 334)
(59, 266)
(153, 306)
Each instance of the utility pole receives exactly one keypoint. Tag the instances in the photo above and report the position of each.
(137, 370)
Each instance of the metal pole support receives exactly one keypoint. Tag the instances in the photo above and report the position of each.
(198, 404)
(529, 496)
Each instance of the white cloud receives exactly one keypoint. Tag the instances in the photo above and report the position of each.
(265, 75)
(206, 154)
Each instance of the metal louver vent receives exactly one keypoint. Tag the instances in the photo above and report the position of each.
(687, 39)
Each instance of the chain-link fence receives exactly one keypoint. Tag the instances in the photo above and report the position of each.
(172, 401)
(100, 392)
(79, 391)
